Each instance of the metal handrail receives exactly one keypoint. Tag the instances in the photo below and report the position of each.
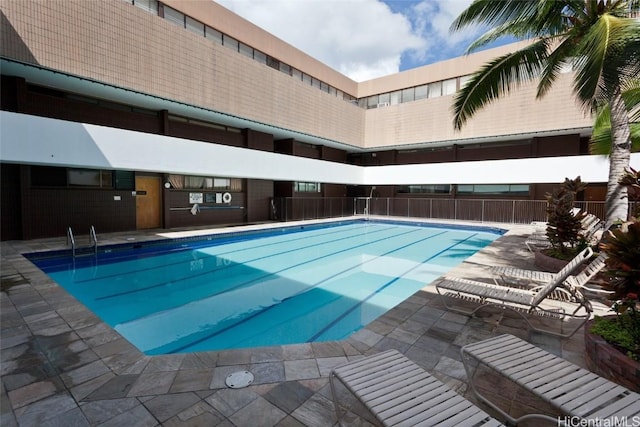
(72, 240)
(94, 239)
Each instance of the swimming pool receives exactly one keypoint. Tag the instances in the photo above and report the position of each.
(281, 286)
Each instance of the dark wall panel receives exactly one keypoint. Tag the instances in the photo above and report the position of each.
(48, 212)
(259, 196)
(10, 202)
(66, 109)
(258, 140)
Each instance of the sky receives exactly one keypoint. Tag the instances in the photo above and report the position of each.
(363, 39)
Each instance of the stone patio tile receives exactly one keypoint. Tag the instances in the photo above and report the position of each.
(427, 359)
(71, 418)
(166, 406)
(381, 327)
(154, 383)
(327, 349)
(191, 380)
(270, 372)
(48, 329)
(258, 412)
(84, 373)
(203, 360)
(31, 393)
(116, 387)
(200, 414)
(14, 337)
(452, 368)
(430, 343)
(267, 354)
(297, 351)
(288, 395)
(366, 336)
(388, 343)
(234, 357)
(100, 411)
(83, 390)
(229, 401)
(39, 412)
(300, 369)
(326, 364)
(45, 316)
(116, 346)
(318, 411)
(139, 416)
(164, 363)
(127, 362)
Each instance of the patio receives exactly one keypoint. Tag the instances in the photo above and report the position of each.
(62, 366)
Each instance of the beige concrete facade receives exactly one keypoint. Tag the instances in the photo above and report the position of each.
(119, 44)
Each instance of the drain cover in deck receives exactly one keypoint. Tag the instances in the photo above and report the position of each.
(239, 379)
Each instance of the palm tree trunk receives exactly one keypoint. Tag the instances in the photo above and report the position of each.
(617, 204)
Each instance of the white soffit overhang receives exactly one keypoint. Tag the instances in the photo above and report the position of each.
(44, 141)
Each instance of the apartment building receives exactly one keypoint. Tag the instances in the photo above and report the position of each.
(134, 114)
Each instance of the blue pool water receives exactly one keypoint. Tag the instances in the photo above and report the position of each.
(284, 286)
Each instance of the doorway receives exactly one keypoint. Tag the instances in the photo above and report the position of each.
(148, 202)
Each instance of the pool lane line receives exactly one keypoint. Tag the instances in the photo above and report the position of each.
(189, 257)
(227, 267)
(258, 313)
(381, 288)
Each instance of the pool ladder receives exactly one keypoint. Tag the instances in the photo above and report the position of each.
(93, 240)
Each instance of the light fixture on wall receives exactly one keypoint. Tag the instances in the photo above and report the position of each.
(167, 185)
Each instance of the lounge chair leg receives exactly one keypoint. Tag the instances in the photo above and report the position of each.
(335, 399)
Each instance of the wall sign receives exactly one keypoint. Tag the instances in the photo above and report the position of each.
(196, 197)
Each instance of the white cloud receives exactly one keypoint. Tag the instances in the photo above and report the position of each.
(362, 39)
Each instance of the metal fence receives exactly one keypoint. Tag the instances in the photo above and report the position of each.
(481, 210)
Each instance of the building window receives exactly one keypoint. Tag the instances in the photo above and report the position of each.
(174, 16)
(435, 89)
(148, 5)
(189, 182)
(195, 26)
(230, 42)
(448, 87)
(89, 178)
(50, 176)
(306, 187)
(408, 95)
(483, 189)
(425, 189)
(259, 56)
(464, 80)
(246, 50)
(212, 34)
(421, 92)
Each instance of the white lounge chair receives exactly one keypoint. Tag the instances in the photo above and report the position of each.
(519, 277)
(582, 396)
(590, 225)
(398, 392)
(524, 302)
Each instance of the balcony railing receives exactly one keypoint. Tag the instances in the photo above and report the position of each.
(479, 210)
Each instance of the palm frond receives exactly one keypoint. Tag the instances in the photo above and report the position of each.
(494, 13)
(559, 57)
(496, 78)
(600, 142)
(598, 59)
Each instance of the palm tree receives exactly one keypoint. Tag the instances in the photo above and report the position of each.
(596, 37)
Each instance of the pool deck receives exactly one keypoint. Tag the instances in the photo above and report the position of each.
(62, 366)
